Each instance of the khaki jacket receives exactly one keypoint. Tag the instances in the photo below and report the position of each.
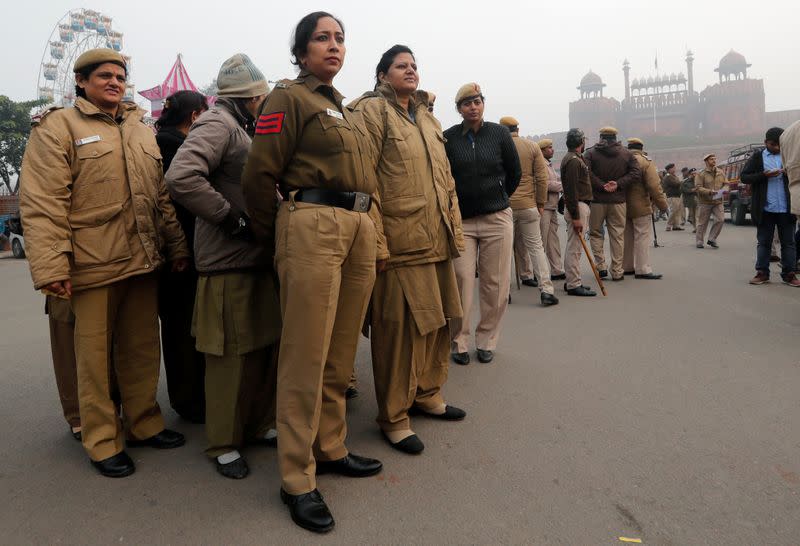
(92, 198)
(532, 189)
(205, 177)
(420, 213)
(645, 191)
(790, 155)
(553, 187)
(707, 184)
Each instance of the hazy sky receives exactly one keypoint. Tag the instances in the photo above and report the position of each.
(527, 56)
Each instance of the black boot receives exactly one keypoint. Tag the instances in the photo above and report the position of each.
(309, 511)
(116, 466)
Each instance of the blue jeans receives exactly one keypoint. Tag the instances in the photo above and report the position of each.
(785, 224)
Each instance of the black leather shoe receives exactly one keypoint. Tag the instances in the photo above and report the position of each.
(712, 244)
(166, 439)
(548, 299)
(559, 277)
(309, 511)
(530, 282)
(581, 291)
(485, 356)
(411, 445)
(76, 434)
(235, 470)
(460, 358)
(631, 272)
(350, 465)
(351, 393)
(116, 466)
(451, 413)
(652, 276)
(603, 273)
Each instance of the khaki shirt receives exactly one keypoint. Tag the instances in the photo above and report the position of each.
(646, 190)
(420, 214)
(708, 182)
(553, 187)
(92, 198)
(305, 138)
(532, 189)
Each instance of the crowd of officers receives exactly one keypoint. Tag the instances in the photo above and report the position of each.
(269, 230)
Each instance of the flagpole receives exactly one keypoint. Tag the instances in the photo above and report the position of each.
(655, 98)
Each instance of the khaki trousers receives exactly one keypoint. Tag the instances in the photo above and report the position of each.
(488, 239)
(638, 238)
(704, 214)
(127, 312)
(409, 368)
(528, 249)
(551, 241)
(240, 379)
(691, 216)
(676, 211)
(574, 250)
(62, 346)
(613, 214)
(325, 258)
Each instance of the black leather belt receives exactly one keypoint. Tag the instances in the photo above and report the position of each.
(350, 200)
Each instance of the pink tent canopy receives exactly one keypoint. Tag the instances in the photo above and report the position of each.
(177, 80)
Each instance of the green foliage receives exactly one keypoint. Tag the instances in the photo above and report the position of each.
(15, 126)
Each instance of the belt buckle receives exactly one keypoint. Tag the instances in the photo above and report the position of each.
(361, 202)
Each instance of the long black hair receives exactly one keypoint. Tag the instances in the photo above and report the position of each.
(179, 107)
(302, 34)
(388, 58)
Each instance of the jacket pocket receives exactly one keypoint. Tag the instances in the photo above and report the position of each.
(338, 136)
(405, 225)
(98, 236)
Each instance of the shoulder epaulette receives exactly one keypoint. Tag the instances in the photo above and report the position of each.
(37, 119)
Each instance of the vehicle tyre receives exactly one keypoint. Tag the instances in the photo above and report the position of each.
(738, 213)
(17, 250)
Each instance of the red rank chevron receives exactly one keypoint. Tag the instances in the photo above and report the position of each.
(269, 124)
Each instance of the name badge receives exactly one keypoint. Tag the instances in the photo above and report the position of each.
(88, 140)
(335, 114)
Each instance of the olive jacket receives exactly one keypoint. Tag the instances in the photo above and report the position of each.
(645, 191)
(92, 198)
(416, 189)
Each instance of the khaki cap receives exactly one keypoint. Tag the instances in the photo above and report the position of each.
(705, 157)
(545, 142)
(608, 131)
(509, 121)
(240, 78)
(635, 141)
(468, 90)
(98, 56)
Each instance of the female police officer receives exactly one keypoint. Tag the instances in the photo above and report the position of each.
(97, 218)
(418, 292)
(325, 241)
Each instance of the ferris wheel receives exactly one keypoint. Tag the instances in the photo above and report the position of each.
(78, 30)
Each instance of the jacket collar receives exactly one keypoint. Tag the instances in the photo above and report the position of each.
(417, 100)
(241, 116)
(313, 83)
(465, 127)
(89, 109)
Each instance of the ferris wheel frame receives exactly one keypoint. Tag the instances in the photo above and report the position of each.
(62, 86)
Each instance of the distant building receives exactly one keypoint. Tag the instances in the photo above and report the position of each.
(668, 105)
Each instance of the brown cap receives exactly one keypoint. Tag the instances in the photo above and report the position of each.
(467, 91)
(705, 157)
(545, 142)
(635, 141)
(98, 56)
(509, 121)
(608, 131)
(239, 78)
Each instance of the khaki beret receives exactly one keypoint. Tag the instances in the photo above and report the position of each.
(705, 157)
(98, 56)
(545, 142)
(509, 121)
(635, 141)
(468, 90)
(608, 131)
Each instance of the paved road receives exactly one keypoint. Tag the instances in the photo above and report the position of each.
(667, 412)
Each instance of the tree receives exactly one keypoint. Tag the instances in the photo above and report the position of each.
(211, 89)
(15, 126)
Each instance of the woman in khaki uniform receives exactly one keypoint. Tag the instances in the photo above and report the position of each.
(97, 218)
(236, 320)
(315, 150)
(417, 292)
